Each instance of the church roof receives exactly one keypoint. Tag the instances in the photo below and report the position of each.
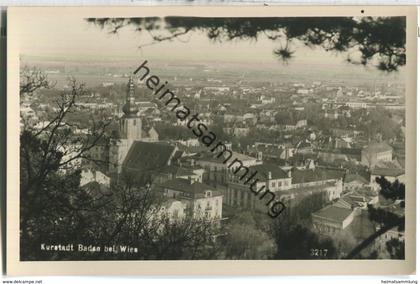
(147, 156)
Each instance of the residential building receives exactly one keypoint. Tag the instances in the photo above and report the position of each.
(332, 219)
(354, 181)
(375, 153)
(391, 174)
(201, 200)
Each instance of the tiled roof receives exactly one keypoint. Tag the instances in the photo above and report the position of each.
(388, 172)
(235, 155)
(176, 170)
(353, 200)
(144, 156)
(394, 164)
(344, 203)
(350, 151)
(357, 198)
(306, 189)
(355, 177)
(333, 213)
(192, 149)
(264, 169)
(269, 150)
(366, 192)
(317, 174)
(378, 147)
(184, 185)
(241, 157)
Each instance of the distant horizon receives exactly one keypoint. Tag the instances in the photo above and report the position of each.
(294, 70)
(69, 38)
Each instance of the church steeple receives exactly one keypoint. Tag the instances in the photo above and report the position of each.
(130, 109)
(130, 131)
(130, 122)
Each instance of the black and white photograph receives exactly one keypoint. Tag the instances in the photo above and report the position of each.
(179, 137)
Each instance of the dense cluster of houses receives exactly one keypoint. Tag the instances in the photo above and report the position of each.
(194, 182)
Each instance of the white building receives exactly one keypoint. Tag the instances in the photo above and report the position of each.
(202, 201)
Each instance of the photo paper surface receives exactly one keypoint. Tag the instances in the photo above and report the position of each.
(231, 141)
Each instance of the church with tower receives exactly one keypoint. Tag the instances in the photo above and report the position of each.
(131, 129)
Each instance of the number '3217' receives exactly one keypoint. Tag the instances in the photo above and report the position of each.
(318, 252)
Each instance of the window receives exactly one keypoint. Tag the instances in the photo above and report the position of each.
(134, 122)
(279, 183)
(273, 184)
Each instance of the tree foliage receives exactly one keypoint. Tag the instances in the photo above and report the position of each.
(379, 40)
(385, 218)
(396, 249)
(299, 243)
(50, 196)
(245, 240)
(292, 235)
(55, 209)
(32, 79)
